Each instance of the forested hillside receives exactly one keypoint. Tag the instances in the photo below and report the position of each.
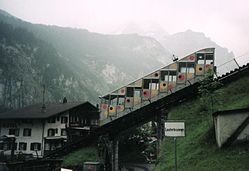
(27, 63)
(71, 62)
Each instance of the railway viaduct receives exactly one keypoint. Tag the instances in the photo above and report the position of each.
(156, 110)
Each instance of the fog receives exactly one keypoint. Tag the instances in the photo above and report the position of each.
(224, 21)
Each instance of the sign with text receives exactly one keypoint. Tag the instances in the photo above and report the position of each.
(175, 129)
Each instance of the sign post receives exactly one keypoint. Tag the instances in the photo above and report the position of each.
(175, 154)
(175, 129)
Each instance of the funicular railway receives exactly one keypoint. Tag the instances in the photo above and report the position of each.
(149, 98)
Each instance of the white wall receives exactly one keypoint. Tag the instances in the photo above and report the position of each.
(36, 134)
(57, 125)
(225, 125)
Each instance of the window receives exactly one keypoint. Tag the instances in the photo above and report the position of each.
(121, 101)
(114, 100)
(22, 146)
(4, 146)
(51, 146)
(187, 70)
(129, 92)
(51, 120)
(94, 122)
(209, 62)
(63, 132)
(174, 78)
(7, 146)
(171, 78)
(164, 75)
(64, 119)
(35, 146)
(14, 131)
(51, 132)
(200, 58)
(209, 58)
(201, 62)
(146, 83)
(191, 70)
(47, 146)
(183, 69)
(137, 93)
(26, 132)
(166, 78)
(75, 119)
(153, 86)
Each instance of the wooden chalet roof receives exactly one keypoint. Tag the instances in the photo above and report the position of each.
(35, 111)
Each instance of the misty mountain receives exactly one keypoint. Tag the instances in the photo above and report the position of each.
(82, 65)
(153, 30)
(74, 63)
(27, 63)
(117, 59)
(182, 43)
(114, 52)
(189, 41)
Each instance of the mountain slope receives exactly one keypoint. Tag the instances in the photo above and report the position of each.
(117, 52)
(27, 63)
(98, 62)
(182, 43)
(119, 58)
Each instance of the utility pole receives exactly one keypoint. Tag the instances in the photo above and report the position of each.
(175, 153)
(43, 99)
(22, 98)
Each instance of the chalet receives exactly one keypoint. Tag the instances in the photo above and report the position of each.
(231, 126)
(39, 129)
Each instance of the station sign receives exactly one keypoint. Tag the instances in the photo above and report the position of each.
(175, 129)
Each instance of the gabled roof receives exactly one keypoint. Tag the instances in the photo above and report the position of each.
(35, 111)
(227, 112)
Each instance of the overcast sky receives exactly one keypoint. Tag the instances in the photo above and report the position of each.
(225, 21)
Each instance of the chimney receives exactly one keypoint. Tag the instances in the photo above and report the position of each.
(64, 100)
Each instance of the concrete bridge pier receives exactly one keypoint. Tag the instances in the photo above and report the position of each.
(105, 151)
(115, 149)
(160, 122)
(109, 152)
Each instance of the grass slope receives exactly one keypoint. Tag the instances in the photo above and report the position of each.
(198, 151)
(77, 158)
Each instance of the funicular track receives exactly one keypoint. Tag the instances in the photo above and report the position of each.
(142, 115)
